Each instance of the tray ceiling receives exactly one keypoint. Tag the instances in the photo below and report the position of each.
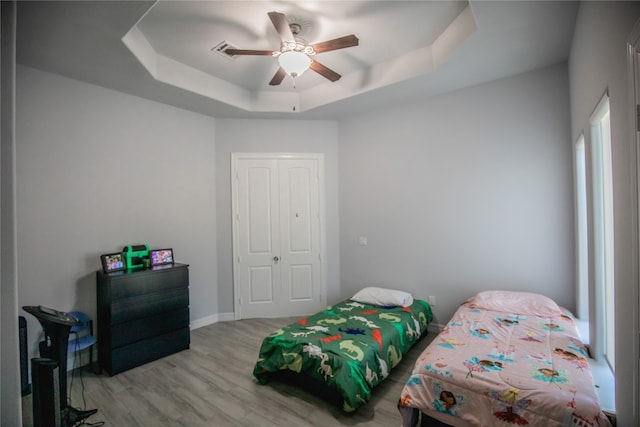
(408, 49)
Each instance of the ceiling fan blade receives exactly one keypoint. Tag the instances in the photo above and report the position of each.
(282, 26)
(248, 52)
(278, 77)
(324, 71)
(339, 43)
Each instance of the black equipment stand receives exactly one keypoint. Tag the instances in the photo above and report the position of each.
(57, 325)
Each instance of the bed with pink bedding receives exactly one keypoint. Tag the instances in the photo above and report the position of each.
(504, 359)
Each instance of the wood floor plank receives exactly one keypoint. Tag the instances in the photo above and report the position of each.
(212, 384)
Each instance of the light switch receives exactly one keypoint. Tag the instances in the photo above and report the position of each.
(362, 241)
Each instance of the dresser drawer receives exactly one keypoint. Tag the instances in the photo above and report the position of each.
(148, 305)
(142, 329)
(146, 281)
(144, 351)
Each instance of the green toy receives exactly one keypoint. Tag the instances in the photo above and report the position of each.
(135, 255)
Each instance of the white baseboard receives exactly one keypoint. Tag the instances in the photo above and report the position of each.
(435, 328)
(210, 320)
(227, 317)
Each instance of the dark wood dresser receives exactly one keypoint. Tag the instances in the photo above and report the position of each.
(143, 315)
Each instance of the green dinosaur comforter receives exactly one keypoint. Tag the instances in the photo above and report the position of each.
(351, 346)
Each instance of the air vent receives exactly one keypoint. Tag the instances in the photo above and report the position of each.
(222, 46)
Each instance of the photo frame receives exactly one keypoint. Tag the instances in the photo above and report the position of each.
(113, 262)
(161, 256)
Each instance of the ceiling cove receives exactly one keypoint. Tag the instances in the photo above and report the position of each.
(176, 43)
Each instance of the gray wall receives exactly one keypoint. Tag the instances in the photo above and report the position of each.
(461, 193)
(598, 63)
(10, 410)
(98, 170)
(266, 136)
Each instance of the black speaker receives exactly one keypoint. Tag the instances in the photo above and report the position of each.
(24, 357)
(46, 393)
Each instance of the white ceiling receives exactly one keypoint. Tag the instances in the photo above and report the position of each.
(408, 49)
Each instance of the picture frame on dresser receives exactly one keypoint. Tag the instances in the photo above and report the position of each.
(113, 262)
(161, 256)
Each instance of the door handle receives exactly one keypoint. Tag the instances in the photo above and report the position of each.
(276, 258)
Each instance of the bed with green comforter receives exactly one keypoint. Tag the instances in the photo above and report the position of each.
(351, 346)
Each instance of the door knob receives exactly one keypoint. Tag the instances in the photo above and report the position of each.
(276, 258)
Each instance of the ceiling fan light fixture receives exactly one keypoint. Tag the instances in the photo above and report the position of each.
(294, 63)
(295, 53)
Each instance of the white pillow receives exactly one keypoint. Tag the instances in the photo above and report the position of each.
(383, 297)
(517, 302)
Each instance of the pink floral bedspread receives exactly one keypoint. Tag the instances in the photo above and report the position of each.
(496, 368)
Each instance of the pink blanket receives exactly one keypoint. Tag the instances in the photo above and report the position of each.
(505, 359)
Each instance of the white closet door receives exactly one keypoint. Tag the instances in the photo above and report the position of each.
(300, 236)
(258, 223)
(277, 235)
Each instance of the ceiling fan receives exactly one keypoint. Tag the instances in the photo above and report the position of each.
(295, 54)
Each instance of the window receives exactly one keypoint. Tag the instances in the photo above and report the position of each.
(582, 233)
(603, 231)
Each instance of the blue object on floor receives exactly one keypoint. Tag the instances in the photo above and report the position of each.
(82, 335)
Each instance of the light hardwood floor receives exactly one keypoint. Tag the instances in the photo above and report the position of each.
(211, 384)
